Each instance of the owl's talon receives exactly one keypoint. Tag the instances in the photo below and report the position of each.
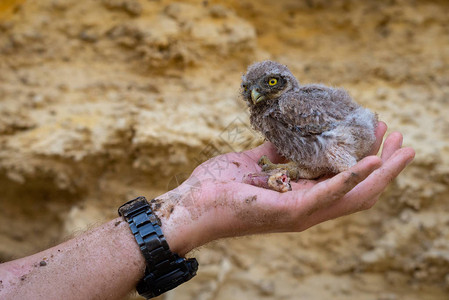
(264, 161)
(266, 165)
(267, 168)
(294, 170)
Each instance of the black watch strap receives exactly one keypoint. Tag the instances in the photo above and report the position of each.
(165, 270)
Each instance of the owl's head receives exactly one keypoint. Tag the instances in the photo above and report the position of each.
(266, 81)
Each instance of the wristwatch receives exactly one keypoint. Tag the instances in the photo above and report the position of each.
(165, 270)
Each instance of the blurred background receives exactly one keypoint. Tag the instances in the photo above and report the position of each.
(102, 101)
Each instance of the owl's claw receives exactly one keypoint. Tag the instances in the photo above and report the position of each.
(267, 166)
(265, 163)
(293, 169)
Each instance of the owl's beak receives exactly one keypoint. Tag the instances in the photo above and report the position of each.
(256, 96)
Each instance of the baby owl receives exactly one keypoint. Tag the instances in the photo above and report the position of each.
(319, 129)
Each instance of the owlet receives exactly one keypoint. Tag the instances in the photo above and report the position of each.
(319, 129)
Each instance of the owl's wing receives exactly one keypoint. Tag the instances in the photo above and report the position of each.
(313, 109)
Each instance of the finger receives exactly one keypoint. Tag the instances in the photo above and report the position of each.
(267, 149)
(375, 184)
(328, 191)
(392, 143)
(380, 132)
(365, 195)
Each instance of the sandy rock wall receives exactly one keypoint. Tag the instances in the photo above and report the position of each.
(104, 100)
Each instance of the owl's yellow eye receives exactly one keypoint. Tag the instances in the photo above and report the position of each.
(272, 81)
(245, 88)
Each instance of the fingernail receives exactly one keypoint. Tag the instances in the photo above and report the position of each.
(409, 160)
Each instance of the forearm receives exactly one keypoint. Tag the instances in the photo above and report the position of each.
(104, 263)
(183, 218)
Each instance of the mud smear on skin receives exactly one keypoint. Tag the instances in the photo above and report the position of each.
(251, 216)
(163, 208)
(42, 263)
(249, 200)
(262, 218)
(353, 178)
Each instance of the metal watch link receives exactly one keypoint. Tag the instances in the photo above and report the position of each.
(164, 270)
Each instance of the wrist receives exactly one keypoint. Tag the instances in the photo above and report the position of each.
(164, 270)
(182, 215)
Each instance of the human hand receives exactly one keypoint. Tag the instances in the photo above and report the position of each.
(214, 203)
